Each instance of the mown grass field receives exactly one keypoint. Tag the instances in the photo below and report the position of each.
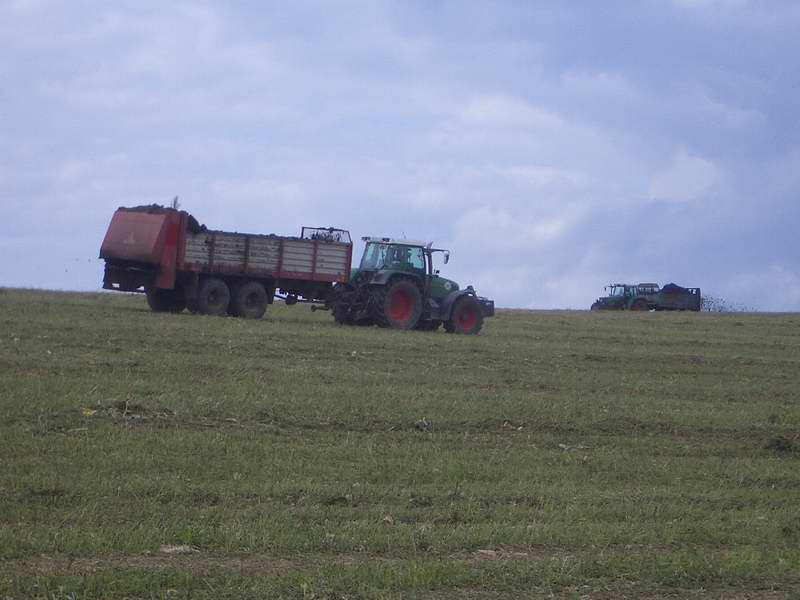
(563, 454)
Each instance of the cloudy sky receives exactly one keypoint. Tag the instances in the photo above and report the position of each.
(553, 146)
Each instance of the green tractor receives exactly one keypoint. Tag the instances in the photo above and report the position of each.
(396, 286)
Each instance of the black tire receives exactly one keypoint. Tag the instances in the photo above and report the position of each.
(429, 325)
(249, 300)
(213, 297)
(466, 317)
(397, 305)
(341, 315)
(595, 306)
(165, 300)
(639, 305)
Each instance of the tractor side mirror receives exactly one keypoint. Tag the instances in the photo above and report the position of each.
(446, 257)
(436, 271)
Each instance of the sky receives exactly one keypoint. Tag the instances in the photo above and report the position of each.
(553, 147)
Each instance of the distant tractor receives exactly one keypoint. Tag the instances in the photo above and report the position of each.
(396, 286)
(649, 296)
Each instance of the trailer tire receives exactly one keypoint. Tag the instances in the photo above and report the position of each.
(397, 305)
(213, 297)
(466, 317)
(160, 300)
(249, 300)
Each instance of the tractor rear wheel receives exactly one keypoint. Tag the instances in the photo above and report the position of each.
(249, 300)
(160, 300)
(213, 297)
(466, 317)
(397, 305)
(639, 305)
(341, 315)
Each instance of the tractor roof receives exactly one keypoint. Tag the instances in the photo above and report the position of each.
(403, 242)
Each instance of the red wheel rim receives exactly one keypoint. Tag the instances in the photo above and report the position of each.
(401, 306)
(467, 318)
(638, 306)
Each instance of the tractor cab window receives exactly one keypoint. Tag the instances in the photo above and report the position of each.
(617, 290)
(416, 259)
(395, 257)
(405, 258)
(374, 257)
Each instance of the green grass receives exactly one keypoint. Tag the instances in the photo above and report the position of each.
(566, 453)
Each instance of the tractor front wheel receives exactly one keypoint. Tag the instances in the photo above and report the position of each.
(466, 318)
(397, 305)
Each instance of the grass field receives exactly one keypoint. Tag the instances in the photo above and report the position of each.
(572, 454)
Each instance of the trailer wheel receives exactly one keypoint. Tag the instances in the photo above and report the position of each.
(249, 300)
(397, 305)
(213, 297)
(639, 305)
(466, 317)
(160, 300)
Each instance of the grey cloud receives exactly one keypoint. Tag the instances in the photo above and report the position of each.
(552, 147)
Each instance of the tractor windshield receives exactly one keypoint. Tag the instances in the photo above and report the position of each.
(396, 257)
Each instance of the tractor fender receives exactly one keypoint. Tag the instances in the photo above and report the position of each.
(386, 277)
(446, 306)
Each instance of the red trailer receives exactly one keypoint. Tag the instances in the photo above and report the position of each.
(179, 263)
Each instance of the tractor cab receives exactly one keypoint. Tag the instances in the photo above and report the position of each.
(384, 256)
(626, 296)
(394, 256)
(617, 297)
(618, 290)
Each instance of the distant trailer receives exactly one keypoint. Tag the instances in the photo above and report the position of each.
(675, 297)
(178, 263)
